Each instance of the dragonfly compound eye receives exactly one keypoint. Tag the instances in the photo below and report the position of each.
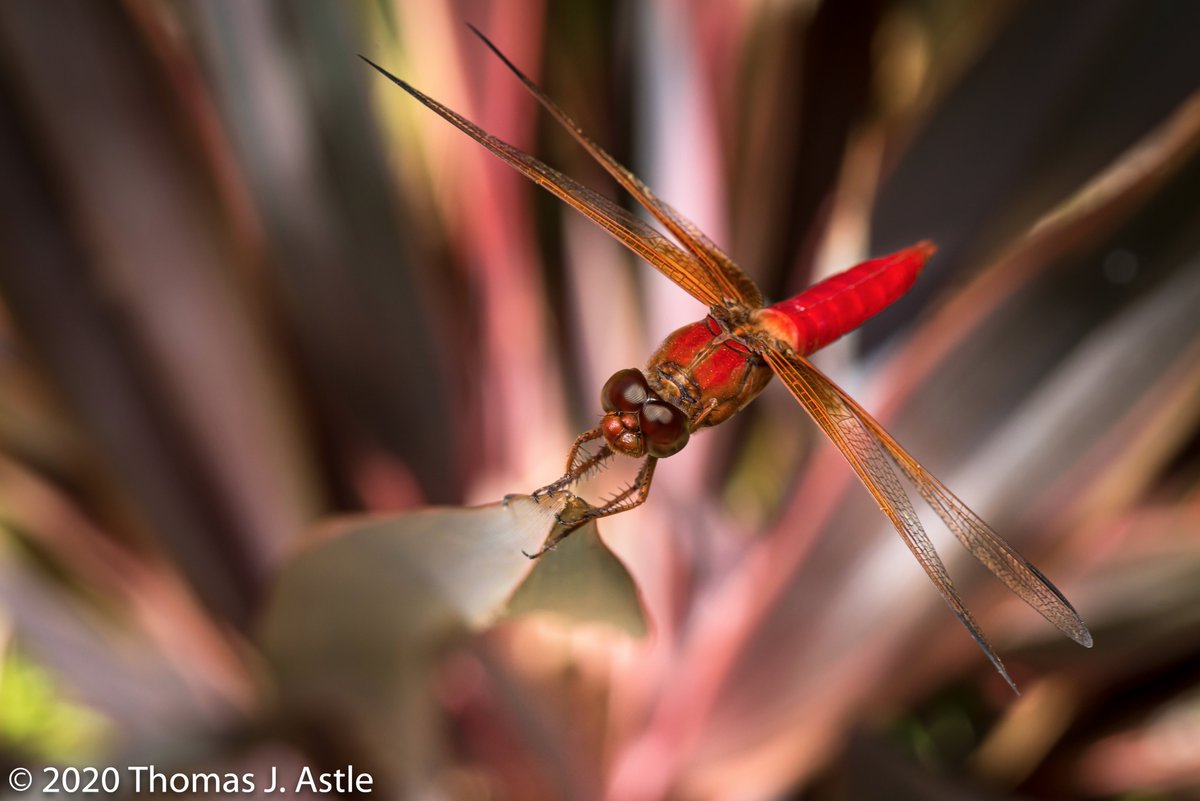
(664, 427)
(626, 391)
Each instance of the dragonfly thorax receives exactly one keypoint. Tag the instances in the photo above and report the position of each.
(637, 422)
(709, 370)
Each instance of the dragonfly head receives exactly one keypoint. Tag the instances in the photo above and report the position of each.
(637, 422)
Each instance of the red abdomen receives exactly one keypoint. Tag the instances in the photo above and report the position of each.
(839, 304)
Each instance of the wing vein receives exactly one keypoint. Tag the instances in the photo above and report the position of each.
(862, 451)
(660, 252)
(980, 539)
(724, 276)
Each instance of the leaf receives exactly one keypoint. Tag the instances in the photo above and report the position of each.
(359, 621)
(583, 580)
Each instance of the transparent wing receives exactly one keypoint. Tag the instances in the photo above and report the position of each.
(862, 450)
(660, 252)
(1025, 580)
(722, 272)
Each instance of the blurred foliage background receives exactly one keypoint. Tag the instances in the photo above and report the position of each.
(247, 284)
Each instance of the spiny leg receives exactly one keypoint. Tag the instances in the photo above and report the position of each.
(577, 448)
(576, 512)
(631, 497)
(579, 464)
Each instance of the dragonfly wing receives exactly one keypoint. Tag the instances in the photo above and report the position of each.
(862, 451)
(720, 270)
(660, 252)
(1025, 580)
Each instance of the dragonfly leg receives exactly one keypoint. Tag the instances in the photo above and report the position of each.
(579, 464)
(576, 512)
(578, 455)
(631, 497)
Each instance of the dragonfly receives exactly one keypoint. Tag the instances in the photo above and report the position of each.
(707, 371)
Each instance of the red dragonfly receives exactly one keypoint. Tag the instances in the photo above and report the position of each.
(707, 371)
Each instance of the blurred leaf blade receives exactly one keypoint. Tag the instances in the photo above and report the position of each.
(136, 207)
(359, 622)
